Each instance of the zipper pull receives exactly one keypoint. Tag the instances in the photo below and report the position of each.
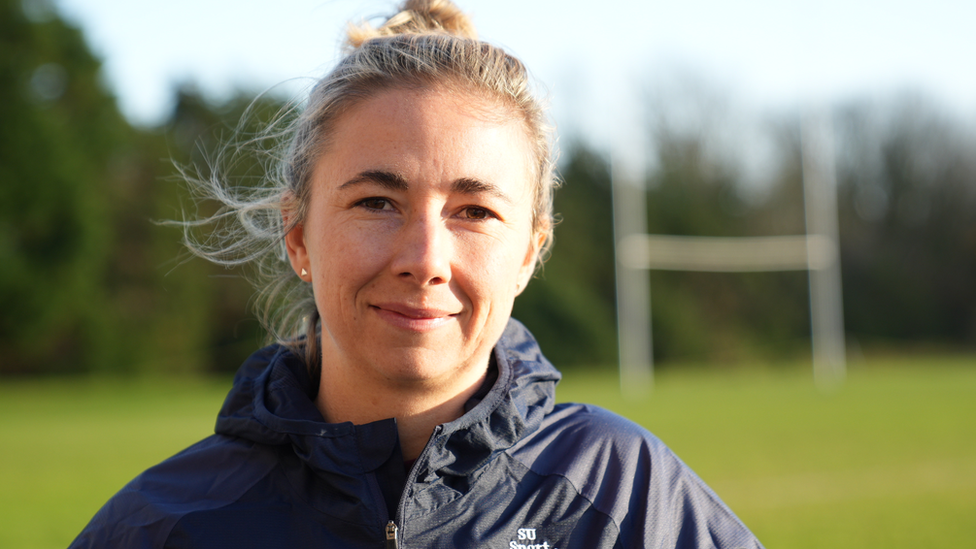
(391, 536)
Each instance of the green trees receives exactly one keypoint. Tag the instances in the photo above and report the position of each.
(570, 306)
(89, 283)
(907, 207)
(908, 218)
(57, 142)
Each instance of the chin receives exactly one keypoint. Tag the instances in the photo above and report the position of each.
(427, 367)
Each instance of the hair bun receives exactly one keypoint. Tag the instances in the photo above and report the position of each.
(417, 17)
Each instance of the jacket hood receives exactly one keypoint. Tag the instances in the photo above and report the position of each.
(272, 402)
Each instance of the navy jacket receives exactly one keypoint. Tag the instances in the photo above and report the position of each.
(516, 471)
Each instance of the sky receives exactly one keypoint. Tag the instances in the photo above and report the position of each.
(597, 61)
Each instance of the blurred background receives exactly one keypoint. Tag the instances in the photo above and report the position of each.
(702, 101)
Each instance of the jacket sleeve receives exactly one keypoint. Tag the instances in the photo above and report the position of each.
(627, 474)
(127, 520)
(208, 475)
(672, 507)
(662, 503)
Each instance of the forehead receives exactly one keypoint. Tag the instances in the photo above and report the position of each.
(435, 105)
(431, 134)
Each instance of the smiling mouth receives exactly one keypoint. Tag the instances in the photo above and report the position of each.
(413, 319)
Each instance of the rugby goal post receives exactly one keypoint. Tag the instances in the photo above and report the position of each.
(816, 252)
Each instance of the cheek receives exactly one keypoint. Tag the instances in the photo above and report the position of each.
(492, 266)
(346, 258)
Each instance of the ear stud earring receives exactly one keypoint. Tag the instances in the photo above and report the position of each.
(304, 273)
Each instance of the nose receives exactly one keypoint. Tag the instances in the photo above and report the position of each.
(424, 251)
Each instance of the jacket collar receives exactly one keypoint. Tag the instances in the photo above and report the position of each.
(272, 402)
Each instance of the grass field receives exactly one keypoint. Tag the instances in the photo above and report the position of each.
(889, 460)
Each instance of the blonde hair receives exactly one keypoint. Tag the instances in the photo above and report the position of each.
(427, 44)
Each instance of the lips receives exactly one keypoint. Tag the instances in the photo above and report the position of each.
(417, 319)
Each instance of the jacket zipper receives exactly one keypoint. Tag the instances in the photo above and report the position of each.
(392, 533)
(391, 536)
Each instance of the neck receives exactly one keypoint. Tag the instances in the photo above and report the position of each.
(418, 406)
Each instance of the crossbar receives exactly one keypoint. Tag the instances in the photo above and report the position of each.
(727, 254)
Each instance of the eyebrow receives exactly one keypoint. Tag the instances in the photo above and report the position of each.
(467, 185)
(388, 180)
(396, 182)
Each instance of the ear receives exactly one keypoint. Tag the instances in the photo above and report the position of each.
(295, 242)
(529, 263)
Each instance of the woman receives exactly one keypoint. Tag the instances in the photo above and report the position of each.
(415, 203)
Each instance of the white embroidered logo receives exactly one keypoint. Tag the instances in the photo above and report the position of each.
(528, 535)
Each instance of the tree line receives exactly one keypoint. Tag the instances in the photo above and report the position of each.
(90, 284)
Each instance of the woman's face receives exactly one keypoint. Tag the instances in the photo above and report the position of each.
(418, 236)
